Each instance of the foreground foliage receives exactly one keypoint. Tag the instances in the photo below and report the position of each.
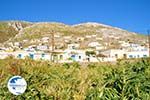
(126, 80)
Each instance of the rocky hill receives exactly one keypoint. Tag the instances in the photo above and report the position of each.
(9, 29)
(16, 31)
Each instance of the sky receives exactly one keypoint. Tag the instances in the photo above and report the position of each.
(131, 15)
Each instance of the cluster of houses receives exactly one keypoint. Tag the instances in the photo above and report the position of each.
(95, 53)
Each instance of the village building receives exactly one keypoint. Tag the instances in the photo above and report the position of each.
(23, 54)
(25, 41)
(115, 53)
(88, 36)
(94, 35)
(94, 44)
(45, 39)
(70, 51)
(56, 36)
(75, 55)
(99, 38)
(73, 46)
(67, 37)
(137, 54)
(42, 47)
(4, 54)
(120, 54)
(80, 39)
(124, 44)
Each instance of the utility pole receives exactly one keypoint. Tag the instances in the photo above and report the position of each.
(148, 31)
(52, 44)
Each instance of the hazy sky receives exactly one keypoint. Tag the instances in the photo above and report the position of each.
(132, 15)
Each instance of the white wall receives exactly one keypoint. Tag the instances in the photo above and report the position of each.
(112, 53)
(137, 54)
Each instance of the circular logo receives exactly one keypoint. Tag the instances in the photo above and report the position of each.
(17, 85)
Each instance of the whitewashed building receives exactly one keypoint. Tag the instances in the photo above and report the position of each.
(73, 46)
(115, 53)
(80, 39)
(45, 39)
(3, 54)
(119, 54)
(75, 55)
(94, 44)
(24, 54)
(137, 54)
(42, 47)
(124, 44)
(88, 36)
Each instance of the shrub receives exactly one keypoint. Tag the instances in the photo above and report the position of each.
(126, 80)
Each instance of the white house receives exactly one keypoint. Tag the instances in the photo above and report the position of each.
(75, 55)
(138, 54)
(94, 35)
(80, 38)
(17, 44)
(73, 46)
(92, 59)
(10, 44)
(99, 38)
(57, 36)
(115, 53)
(67, 37)
(45, 39)
(88, 36)
(124, 44)
(25, 41)
(4, 54)
(30, 48)
(42, 47)
(33, 55)
(119, 54)
(2, 49)
(69, 55)
(94, 44)
(106, 59)
(100, 47)
(136, 47)
(100, 58)
(58, 56)
(67, 41)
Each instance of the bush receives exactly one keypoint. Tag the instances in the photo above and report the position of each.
(124, 81)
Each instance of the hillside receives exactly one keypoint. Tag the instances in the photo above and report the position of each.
(9, 29)
(20, 31)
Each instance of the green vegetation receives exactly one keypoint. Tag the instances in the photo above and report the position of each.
(88, 53)
(125, 80)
